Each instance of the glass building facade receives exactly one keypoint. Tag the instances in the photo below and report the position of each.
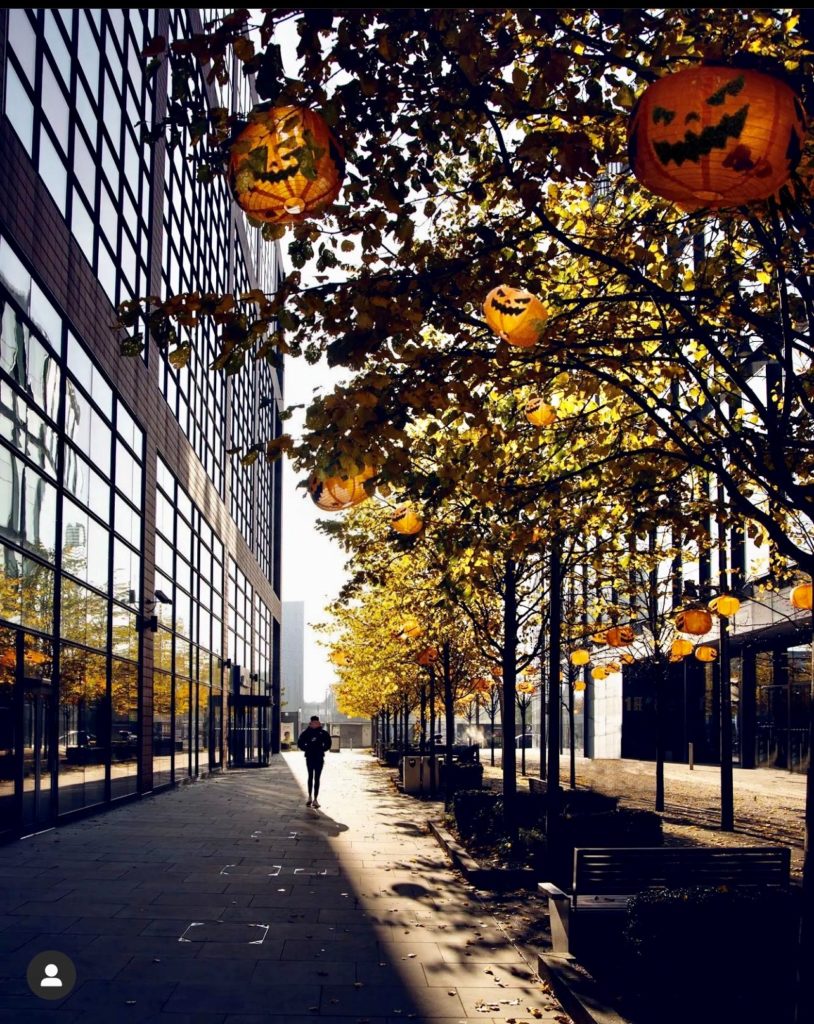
(139, 563)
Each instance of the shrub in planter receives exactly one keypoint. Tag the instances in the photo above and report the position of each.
(533, 844)
(587, 801)
(464, 776)
(623, 827)
(478, 814)
(736, 945)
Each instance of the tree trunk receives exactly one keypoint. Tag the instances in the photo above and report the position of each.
(805, 976)
(523, 738)
(449, 715)
(661, 680)
(493, 719)
(572, 738)
(543, 711)
(554, 627)
(433, 773)
(509, 692)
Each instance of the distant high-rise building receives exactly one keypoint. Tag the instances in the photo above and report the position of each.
(292, 657)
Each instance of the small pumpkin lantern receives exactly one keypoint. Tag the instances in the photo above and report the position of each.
(712, 137)
(627, 659)
(600, 672)
(801, 597)
(579, 686)
(696, 621)
(405, 521)
(704, 652)
(337, 492)
(538, 413)
(516, 316)
(428, 656)
(285, 165)
(600, 638)
(680, 648)
(410, 628)
(614, 666)
(725, 604)
(580, 657)
(619, 636)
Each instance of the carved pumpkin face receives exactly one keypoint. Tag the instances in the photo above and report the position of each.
(619, 636)
(515, 315)
(706, 653)
(695, 621)
(337, 493)
(405, 521)
(713, 136)
(538, 413)
(285, 165)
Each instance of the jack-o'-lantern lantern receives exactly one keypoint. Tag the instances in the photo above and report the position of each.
(696, 621)
(516, 316)
(801, 597)
(337, 493)
(600, 638)
(579, 686)
(600, 672)
(428, 656)
(614, 666)
(580, 657)
(680, 648)
(285, 165)
(538, 413)
(725, 604)
(405, 521)
(711, 137)
(704, 652)
(619, 636)
(627, 659)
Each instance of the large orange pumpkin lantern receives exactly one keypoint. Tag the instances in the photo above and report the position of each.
(337, 493)
(515, 315)
(714, 136)
(696, 621)
(619, 636)
(801, 597)
(285, 165)
(538, 413)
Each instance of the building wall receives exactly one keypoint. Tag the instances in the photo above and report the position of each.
(292, 658)
(121, 462)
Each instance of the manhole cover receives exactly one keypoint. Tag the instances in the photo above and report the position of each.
(221, 931)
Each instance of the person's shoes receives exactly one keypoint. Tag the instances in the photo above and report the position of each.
(316, 804)
(308, 802)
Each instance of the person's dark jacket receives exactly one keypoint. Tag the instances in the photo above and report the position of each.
(314, 742)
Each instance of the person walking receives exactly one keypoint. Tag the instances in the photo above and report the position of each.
(315, 741)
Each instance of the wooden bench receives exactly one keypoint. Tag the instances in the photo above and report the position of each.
(605, 879)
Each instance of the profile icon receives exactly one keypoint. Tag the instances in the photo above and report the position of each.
(51, 979)
(51, 975)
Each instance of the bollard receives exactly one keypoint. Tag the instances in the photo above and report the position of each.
(691, 756)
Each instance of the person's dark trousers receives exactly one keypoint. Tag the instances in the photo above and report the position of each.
(314, 773)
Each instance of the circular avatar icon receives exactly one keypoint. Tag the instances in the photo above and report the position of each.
(51, 975)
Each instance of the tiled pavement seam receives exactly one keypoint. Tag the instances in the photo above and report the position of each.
(359, 914)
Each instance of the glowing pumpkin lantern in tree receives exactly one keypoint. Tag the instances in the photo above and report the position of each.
(801, 597)
(680, 648)
(337, 492)
(711, 137)
(725, 604)
(619, 636)
(538, 413)
(515, 315)
(285, 165)
(705, 653)
(580, 657)
(428, 656)
(405, 521)
(696, 621)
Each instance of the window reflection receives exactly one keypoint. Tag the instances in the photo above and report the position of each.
(124, 728)
(162, 728)
(84, 728)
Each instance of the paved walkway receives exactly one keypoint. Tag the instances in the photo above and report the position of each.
(230, 902)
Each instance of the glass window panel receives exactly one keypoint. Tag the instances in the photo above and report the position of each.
(165, 478)
(45, 317)
(56, 44)
(19, 109)
(164, 516)
(184, 537)
(108, 219)
(84, 728)
(126, 573)
(22, 42)
(42, 443)
(27, 505)
(77, 417)
(162, 728)
(100, 442)
(82, 226)
(14, 275)
(183, 573)
(182, 726)
(98, 551)
(54, 105)
(128, 522)
(128, 475)
(164, 611)
(184, 505)
(127, 428)
(183, 612)
(106, 270)
(52, 170)
(43, 377)
(125, 634)
(84, 164)
(162, 650)
(86, 112)
(163, 556)
(98, 495)
(74, 539)
(124, 742)
(88, 54)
